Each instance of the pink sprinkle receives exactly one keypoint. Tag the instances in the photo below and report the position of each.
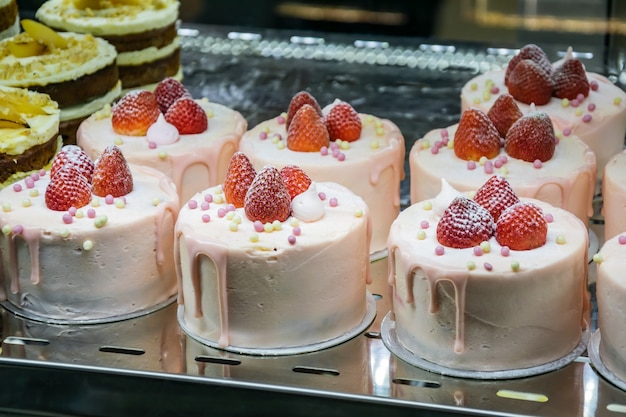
(206, 218)
(263, 135)
(537, 164)
(505, 251)
(495, 90)
(42, 172)
(574, 103)
(445, 141)
(324, 150)
(622, 240)
(18, 229)
(29, 182)
(334, 145)
(439, 250)
(296, 231)
(580, 97)
(591, 107)
(192, 204)
(258, 226)
(587, 118)
(67, 218)
(230, 207)
(278, 135)
(488, 167)
(434, 150)
(567, 131)
(322, 195)
(488, 266)
(424, 224)
(34, 176)
(208, 198)
(444, 133)
(291, 239)
(91, 213)
(17, 188)
(471, 165)
(205, 206)
(438, 144)
(498, 163)
(221, 212)
(549, 218)
(503, 158)
(336, 152)
(478, 251)
(341, 157)
(72, 211)
(152, 145)
(556, 140)
(109, 199)
(281, 120)
(333, 202)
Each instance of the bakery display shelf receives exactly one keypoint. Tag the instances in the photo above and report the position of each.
(148, 366)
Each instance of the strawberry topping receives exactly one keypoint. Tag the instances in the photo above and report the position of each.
(504, 113)
(530, 83)
(476, 136)
(67, 188)
(522, 227)
(299, 100)
(74, 156)
(168, 91)
(267, 198)
(343, 122)
(496, 195)
(464, 224)
(188, 116)
(307, 132)
(533, 53)
(239, 176)
(570, 80)
(531, 138)
(112, 175)
(296, 180)
(134, 113)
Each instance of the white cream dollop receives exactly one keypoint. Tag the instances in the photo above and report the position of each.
(162, 133)
(444, 198)
(308, 206)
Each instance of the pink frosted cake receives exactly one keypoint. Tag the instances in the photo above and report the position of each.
(279, 274)
(192, 145)
(368, 159)
(580, 103)
(566, 179)
(484, 297)
(614, 196)
(85, 243)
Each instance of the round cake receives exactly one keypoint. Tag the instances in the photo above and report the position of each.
(74, 252)
(9, 18)
(80, 74)
(29, 128)
(254, 285)
(195, 161)
(597, 117)
(472, 302)
(144, 34)
(566, 180)
(371, 166)
(614, 196)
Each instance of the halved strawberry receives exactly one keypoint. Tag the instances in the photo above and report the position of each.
(343, 122)
(296, 180)
(530, 83)
(496, 195)
(168, 91)
(476, 136)
(73, 155)
(67, 188)
(239, 176)
(112, 175)
(188, 116)
(522, 227)
(464, 224)
(569, 79)
(532, 52)
(531, 137)
(134, 113)
(504, 113)
(307, 132)
(297, 101)
(267, 198)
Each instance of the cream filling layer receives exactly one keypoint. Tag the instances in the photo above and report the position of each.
(85, 109)
(150, 54)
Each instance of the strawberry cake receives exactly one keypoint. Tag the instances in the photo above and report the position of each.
(579, 103)
(189, 140)
(336, 144)
(272, 263)
(111, 224)
(489, 287)
(77, 71)
(614, 196)
(9, 19)
(29, 128)
(538, 162)
(144, 34)
(607, 348)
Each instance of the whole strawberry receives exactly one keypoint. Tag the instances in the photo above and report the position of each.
(476, 136)
(570, 79)
(531, 138)
(307, 131)
(299, 100)
(343, 122)
(67, 188)
(168, 91)
(296, 180)
(112, 175)
(267, 198)
(504, 113)
(134, 113)
(239, 177)
(464, 224)
(188, 116)
(522, 227)
(74, 156)
(530, 83)
(496, 195)
(533, 53)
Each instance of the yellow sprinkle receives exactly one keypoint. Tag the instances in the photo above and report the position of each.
(514, 266)
(597, 258)
(504, 171)
(6, 229)
(209, 113)
(358, 213)
(374, 144)
(64, 233)
(482, 160)
(565, 103)
(473, 86)
(579, 112)
(119, 203)
(486, 95)
(219, 190)
(428, 205)
(293, 222)
(558, 134)
(95, 202)
(489, 83)
(476, 100)
(280, 145)
(80, 214)
(218, 199)
(6, 207)
(378, 123)
(380, 131)
(100, 221)
(118, 141)
(34, 192)
(425, 144)
(276, 225)
(284, 115)
(230, 215)
(254, 237)
(560, 239)
(26, 202)
(344, 145)
(369, 118)
(237, 219)
(268, 228)
(471, 265)
(162, 155)
(233, 227)
(275, 140)
(617, 101)
(450, 144)
(485, 246)
(471, 194)
(87, 245)
(156, 201)
(421, 235)
(266, 129)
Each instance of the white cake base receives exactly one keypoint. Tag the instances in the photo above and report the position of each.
(593, 350)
